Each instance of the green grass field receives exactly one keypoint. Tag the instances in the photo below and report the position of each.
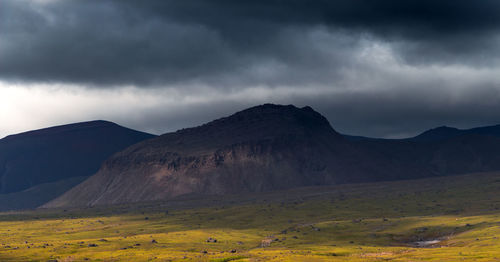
(361, 222)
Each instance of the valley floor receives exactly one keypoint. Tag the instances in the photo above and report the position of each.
(442, 219)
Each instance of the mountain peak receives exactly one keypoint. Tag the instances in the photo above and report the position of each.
(261, 148)
(263, 122)
(281, 110)
(272, 116)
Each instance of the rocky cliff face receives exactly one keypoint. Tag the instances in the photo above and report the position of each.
(262, 148)
(270, 147)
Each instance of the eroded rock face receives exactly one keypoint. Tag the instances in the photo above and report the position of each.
(263, 148)
(272, 147)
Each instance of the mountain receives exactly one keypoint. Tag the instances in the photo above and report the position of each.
(445, 132)
(272, 147)
(411, 159)
(50, 155)
(259, 149)
(438, 152)
(438, 133)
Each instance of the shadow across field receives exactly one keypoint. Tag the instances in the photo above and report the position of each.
(347, 222)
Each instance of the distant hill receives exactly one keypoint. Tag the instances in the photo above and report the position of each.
(445, 132)
(441, 157)
(438, 133)
(58, 153)
(272, 147)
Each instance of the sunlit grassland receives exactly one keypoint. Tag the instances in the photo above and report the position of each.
(362, 222)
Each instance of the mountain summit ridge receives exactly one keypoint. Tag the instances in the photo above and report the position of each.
(256, 123)
(271, 147)
(262, 148)
(446, 132)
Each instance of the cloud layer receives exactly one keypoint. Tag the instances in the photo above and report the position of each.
(379, 68)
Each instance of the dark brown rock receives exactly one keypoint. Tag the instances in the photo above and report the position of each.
(270, 147)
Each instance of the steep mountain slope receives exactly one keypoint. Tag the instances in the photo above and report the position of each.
(57, 153)
(271, 147)
(262, 148)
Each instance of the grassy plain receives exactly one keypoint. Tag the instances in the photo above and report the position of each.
(358, 222)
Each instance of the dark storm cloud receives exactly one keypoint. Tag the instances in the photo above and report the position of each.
(386, 68)
(231, 43)
(392, 114)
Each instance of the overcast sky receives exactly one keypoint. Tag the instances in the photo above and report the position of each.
(385, 68)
